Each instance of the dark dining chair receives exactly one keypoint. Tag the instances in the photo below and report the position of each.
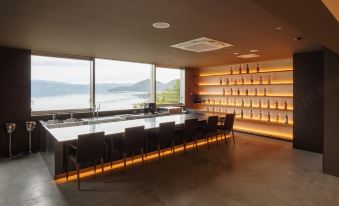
(210, 129)
(189, 132)
(164, 137)
(227, 127)
(133, 140)
(88, 148)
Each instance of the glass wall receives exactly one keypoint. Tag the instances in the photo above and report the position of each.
(59, 83)
(121, 85)
(168, 85)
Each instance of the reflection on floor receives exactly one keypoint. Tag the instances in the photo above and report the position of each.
(254, 171)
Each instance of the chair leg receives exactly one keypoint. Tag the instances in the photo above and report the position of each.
(173, 149)
(102, 168)
(208, 143)
(184, 140)
(124, 156)
(142, 155)
(196, 144)
(233, 136)
(159, 153)
(78, 174)
(224, 133)
(216, 137)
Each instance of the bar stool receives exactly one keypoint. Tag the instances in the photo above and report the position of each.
(227, 127)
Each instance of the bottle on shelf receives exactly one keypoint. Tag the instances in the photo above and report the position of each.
(260, 80)
(265, 91)
(235, 102)
(242, 80)
(250, 102)
(259, 104)
(260, 115)
(234, 112)
(285, 105)
(251, 79)
(286, 118)
(277, 117)
(268, 116)
(231, 91)
(235, 81)
(231, 71)
(220, 81)
(247, 69)
(226, 110)
(223, 91)
(227, 101)
(269, 79)
(238, 91)
(255, 92)
(258, 68)
(213, 101)
(251, 114)
(242, 113)
(240, 69)
(276, 104)
(242, 102)
(227, 81)
(246, 91)
(208, 109)
(268, 104)
(219, 101)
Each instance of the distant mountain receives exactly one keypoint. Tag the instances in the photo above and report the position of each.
(41, 88)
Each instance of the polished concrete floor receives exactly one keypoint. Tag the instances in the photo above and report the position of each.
(254, 171)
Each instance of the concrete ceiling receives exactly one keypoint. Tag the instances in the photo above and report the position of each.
(122, 29)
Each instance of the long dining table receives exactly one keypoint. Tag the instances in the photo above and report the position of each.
(55, 138)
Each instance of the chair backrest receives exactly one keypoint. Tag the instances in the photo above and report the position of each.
(90, 147)
(134, 138)
(166, 132)
(212, 123)
(191, 128)
(229, 121)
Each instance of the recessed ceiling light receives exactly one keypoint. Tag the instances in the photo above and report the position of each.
(278, 28)
(161, 25)
(235, 53)
(247, 56)
(254, 50)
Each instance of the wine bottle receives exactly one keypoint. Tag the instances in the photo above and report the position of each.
(242, 80)
(227, 101)
(250, 102)
(219, 101)
(246, 92)
(247, 69)
(235, 101)
(251, 114)
(268, 104)
(276, 104)
(286, 118)
(265, 92)
(260, 115)
(208, 109)
(238, 91)
(235, 81)
(240, 70)
(231, 92)
(268, 116)
(285, 105)
(255, 92)
(269, 79)
(220, 81)
(259, 104)
(223, 91)
(227, 81)
(258, 68)
(231, 71)
(242, 113)
(213, 108)
(251, 79)
(277, 117)
(234, 112)
(260, 80)
(242, 102)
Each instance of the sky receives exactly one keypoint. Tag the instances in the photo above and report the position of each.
(107, 71)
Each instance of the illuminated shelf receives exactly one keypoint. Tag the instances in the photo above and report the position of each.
(264, 121)
(251, 73)
(242, 95)
(278, 135)
(246, 107)
(246, 84)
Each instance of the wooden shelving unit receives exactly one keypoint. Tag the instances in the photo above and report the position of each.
(275, 78)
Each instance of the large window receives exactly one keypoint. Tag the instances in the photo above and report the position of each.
(121, 85)
(168, 85)
(59, 83)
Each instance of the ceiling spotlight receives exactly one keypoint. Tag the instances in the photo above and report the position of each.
(254, 50)
(298, 38)
(278, 28)
(235, 53)
(161, 25)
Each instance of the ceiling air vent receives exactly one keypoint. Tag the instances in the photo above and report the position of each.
(202, 44)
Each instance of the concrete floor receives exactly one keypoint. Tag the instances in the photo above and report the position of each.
(254, 171)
